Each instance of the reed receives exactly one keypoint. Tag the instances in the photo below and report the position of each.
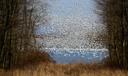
(50, 69)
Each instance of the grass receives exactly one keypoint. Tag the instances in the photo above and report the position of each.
(35, 63)
(50, 69)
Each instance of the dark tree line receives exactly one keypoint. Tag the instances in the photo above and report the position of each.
(115, 17)
(17, 22)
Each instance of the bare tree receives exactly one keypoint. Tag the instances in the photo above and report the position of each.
(114, 13)
(17, 23)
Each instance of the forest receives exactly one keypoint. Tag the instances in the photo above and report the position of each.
(114, 14)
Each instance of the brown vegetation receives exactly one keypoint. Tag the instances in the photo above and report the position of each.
(32, 58)
(49, 69)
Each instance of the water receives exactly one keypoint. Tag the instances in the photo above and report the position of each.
(64, 56)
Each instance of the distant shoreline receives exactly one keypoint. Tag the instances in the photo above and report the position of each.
(80, 49)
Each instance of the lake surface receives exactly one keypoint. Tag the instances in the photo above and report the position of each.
(63, 56)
